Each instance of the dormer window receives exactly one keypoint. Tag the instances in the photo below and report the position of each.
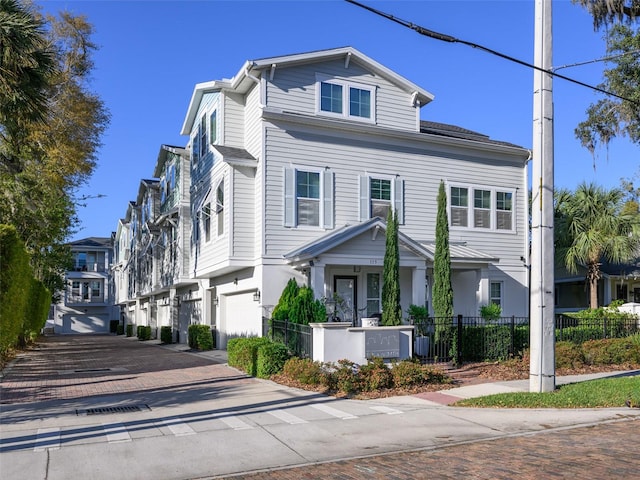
(341, 98)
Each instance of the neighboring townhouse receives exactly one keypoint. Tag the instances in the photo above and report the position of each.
(295, 162)
(152, 250)
(87, 305)
(617, 282)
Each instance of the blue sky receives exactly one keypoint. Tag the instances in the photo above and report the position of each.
(152, 53)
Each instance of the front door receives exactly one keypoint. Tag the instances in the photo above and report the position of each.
(345, 287)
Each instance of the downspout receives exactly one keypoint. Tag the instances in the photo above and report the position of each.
(258, 82)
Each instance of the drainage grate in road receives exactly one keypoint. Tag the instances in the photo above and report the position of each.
(114, 409)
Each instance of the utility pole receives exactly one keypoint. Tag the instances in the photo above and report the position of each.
(542, 375)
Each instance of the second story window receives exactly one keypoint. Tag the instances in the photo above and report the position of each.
(204, 146)
(308, 197)
(493, 209)
(504, 210)
(482, 208)
(341, 98)
(220, 208)
(379, 194)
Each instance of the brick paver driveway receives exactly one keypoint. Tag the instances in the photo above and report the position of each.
(603, 452)
(80, 366)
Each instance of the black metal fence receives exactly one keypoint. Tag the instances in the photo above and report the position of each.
(464, 339)
(298, 338)
(468, 339)
(578, 330)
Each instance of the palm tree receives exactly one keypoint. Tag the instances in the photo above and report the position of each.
(26, 64)
(591, 227)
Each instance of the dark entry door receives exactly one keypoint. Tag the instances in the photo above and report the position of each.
(346, 287)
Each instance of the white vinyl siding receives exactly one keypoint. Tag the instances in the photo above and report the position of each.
(293, 89)
(420, 169)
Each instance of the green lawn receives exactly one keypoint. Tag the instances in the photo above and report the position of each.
(611, 392)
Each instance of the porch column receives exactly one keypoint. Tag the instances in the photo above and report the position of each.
(418, 285)
(482, 295)
(316, 280)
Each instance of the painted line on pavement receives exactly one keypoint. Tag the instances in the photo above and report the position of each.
(47, 439)
(286, 417)
(116, 433)
(236, 423)
(178, 427)
(334, 412)
(387, 410)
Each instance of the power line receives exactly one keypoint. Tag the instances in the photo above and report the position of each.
(448, 38)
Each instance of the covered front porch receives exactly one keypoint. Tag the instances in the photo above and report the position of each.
(345, 270)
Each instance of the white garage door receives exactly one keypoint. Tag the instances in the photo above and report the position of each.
(241, 318)
(85, 324)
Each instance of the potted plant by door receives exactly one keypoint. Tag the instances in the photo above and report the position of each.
(419, 318)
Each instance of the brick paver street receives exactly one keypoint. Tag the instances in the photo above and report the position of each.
(604, 451)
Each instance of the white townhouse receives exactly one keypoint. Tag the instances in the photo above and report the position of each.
(151, 267)
(87, 304)
(294, 164)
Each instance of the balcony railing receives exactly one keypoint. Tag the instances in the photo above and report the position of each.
(91, 267)
(84, 300)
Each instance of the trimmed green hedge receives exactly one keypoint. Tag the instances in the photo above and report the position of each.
(113, 326)
(129, 329)
(166, 335)
(144, 332)
(36, 311)
(242, 353)
(24, 301)
(271, 358)
(493, 342)
(200, 337)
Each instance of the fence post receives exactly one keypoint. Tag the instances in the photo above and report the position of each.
(286, 332)
(459, 341)
(513, 335)
(604, 327)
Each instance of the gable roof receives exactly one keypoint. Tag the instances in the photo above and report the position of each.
(344, 234)
(99, 242)
(245, 78)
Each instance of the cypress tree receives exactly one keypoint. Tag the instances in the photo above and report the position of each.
(442, 291)
(391, 309)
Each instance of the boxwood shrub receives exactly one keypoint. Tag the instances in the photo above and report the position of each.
(144, 332)
(271, 359)
(200, 337)
(113, 326)
(129, 329)
(166, 334)
(242, 353)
